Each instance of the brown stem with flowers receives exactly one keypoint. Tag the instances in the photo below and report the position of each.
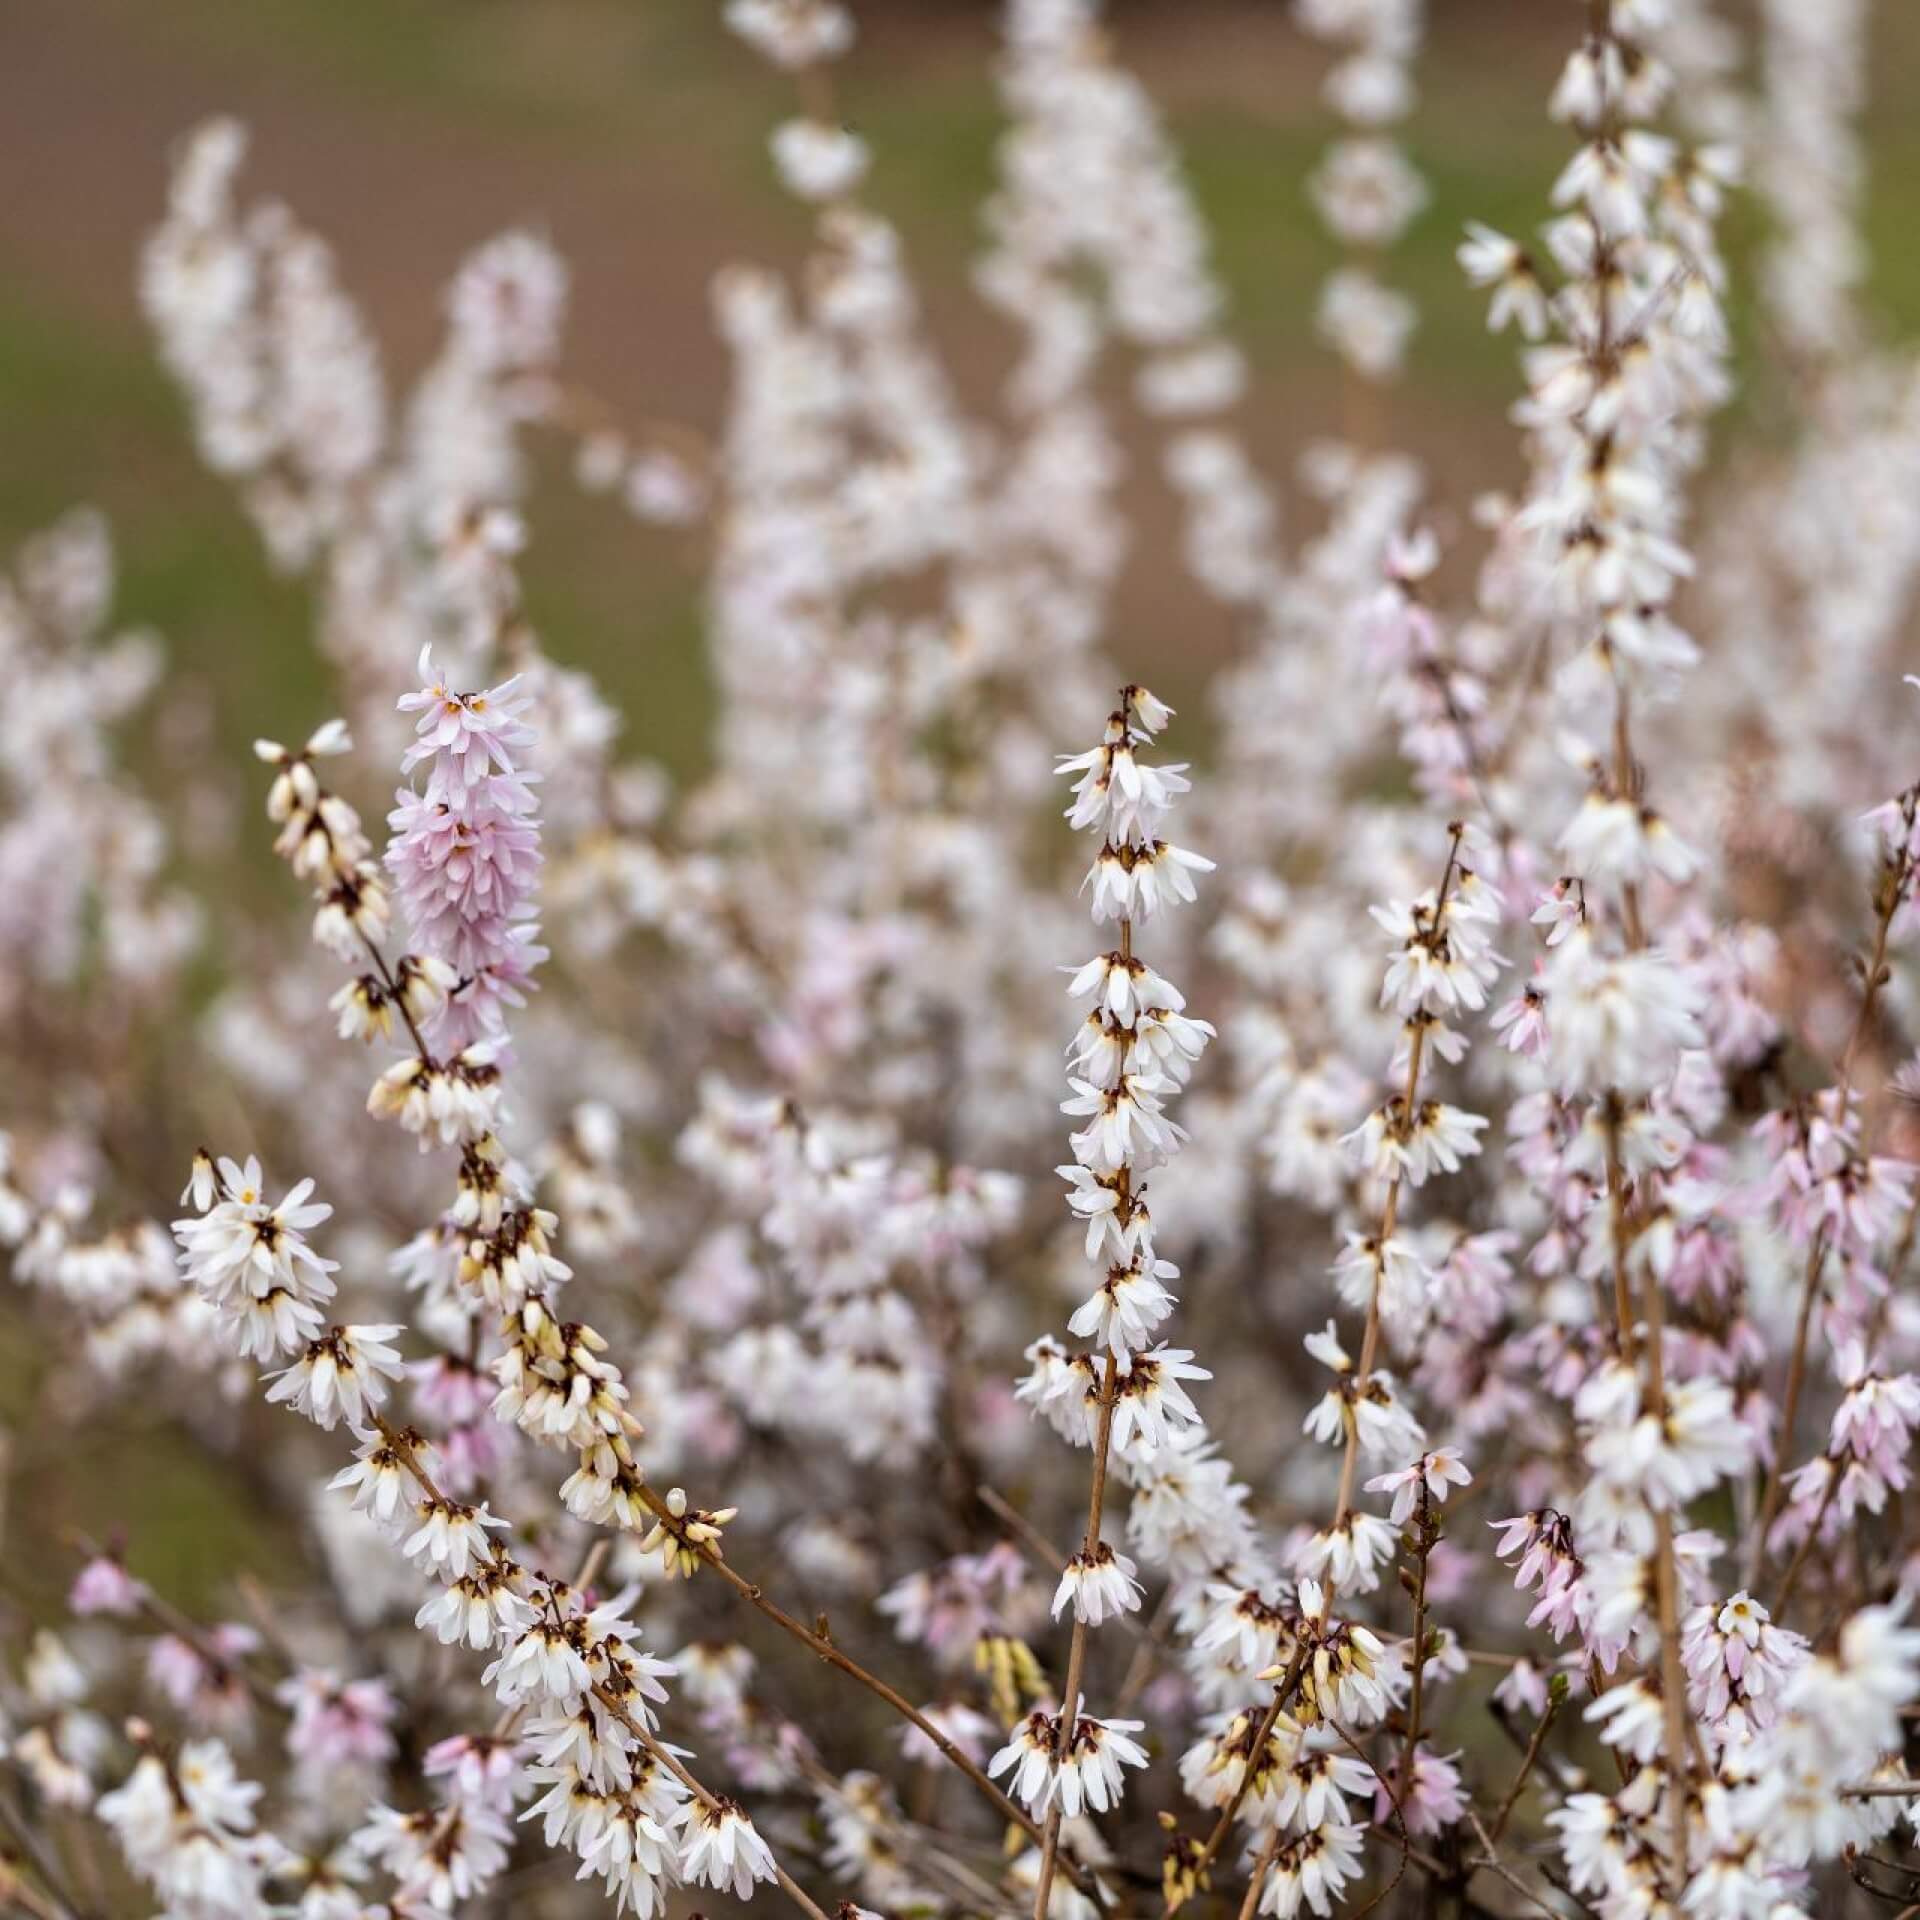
(401, 1444)
(667, 1758)
(1263, 1732)
(819, 1643)
(1096, 1498)
(1261, 1868)
(1679, 1726)
(1390, 1210)
(1077, 1646)
(1425, 1535)
(1892, 891)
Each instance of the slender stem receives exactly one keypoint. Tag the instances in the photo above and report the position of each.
(1077, 1646)
(1893, 890)
(1399, 1820)
(1491, 1862)
(57, 1899)
(1263, 1732)
(1423, 1521)
(665, 1754)
(1261, 1868)
(1625, 775)
(1389, 1218)
(1834, 1477)
(751, 1592)
(1532, 1754)
(1673, 1691)
(392, 987)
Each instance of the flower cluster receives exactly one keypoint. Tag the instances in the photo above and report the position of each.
(637, 1480)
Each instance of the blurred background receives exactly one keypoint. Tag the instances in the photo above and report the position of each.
(633, 133)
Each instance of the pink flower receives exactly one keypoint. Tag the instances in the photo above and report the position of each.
(465, 853)
(103, 1585)
(1430, 1797)
(1440, 1469)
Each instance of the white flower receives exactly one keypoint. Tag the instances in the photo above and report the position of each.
(1618, 1020)
(454, 1101)
(1128, 1125)
(1701, 1441)
(792, 33)
(1098, 1586)
(241, 1250)
(1029, 1753)
(1312, 1869)
(450, 1537)
(1350, 1555)
(1632, 1717)
(1131, 882)
(1126, 986)
(342, 1374)
(1122, 1314)
(1440, 1469)
(1441, 1137)
(1490, 259)
(1095, 1199)
(1091, 1776)
(1367, 324)
(818, 162)
(1393, 1267)
(1367, 191)
(1617, 842)
(719, 1847)
(1150, 1403)
(481, 1609)
(542, 1663)
(379, 1480)
(1345, 1676)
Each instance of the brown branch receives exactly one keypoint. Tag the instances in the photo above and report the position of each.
(1893, 887)
(821, 1645)
(1555, 1695)
(1077, 1646)
(1263, 1732)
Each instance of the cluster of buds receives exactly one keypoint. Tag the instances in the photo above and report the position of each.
(321, 839)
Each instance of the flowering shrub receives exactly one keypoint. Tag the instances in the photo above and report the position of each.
(1446, 1454)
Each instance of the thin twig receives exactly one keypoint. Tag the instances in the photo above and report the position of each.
(1893, 888)
(1399, 1816)
(1490, 1862)
(1077, 1646)
(751, 1592)
(57, 1894)
(1505, 1813)
(664, 1754)
(1262, 1866)
(1282, 1693)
